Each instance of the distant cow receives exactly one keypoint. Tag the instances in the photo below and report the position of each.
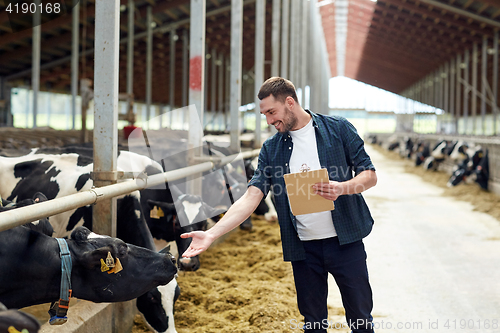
(438, 154)
(474, 167)
(422, 151)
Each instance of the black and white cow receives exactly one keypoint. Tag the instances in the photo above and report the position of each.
(422, 152)
(473, 168)
(237, 184)
(438, 154)
(30, 263)
(43, 225)
(64, 174)
(17, 321)
(167, 226)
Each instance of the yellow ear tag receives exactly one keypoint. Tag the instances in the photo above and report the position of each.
(156, 212)
(12, 329)
(110, 262)
(104, 267)
(118, 267)
(160, 212)
(153, 213)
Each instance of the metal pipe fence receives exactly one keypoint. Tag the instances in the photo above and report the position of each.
(16, 217)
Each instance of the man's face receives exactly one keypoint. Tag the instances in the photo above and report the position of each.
(278, 114)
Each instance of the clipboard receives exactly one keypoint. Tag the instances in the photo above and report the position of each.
(302, 198)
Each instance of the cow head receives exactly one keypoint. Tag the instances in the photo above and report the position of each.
(214, 188)
(440, 150)
(43, 225)
(459, 152)
(142, 270)
(188, 213)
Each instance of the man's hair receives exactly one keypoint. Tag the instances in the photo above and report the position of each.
(279, 87)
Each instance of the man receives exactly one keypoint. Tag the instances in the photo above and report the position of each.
(319, 243)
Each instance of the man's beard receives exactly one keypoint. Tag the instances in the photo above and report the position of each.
(289, 121)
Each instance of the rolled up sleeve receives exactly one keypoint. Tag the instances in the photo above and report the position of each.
(355, 150)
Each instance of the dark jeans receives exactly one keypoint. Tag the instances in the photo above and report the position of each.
(347, 264)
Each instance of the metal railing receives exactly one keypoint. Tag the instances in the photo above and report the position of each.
(16, 217)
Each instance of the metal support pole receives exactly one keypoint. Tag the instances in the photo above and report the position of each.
(474, 87)
(484, 82)
(205, 105)
(149, 60)
(260, 42)
(220, 90)
(171, 86)
(107, 26)
(185, 70)
(284, 38)
(75, 42)
(196, 85)
(293, 41)
(35, 74)
(466, 92)
(495, 83)
(437, 90)
(228, 93)
(130, 50)
(236, 71)
(453, 68)
(9, 121)
(304, 49)
(213, 88)
(275, 38)
(446, 88)
(458, 90)
(48, 106)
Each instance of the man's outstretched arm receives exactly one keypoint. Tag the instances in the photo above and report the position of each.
(236, 214)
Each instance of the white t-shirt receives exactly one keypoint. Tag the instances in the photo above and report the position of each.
(305, 151)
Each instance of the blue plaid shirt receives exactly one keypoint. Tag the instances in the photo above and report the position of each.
(341, 151)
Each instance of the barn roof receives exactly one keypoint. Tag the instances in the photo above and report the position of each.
(390, 44)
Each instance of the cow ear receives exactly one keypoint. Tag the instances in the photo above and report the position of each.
(92, 259)
(174, 191)
(169, 207)
(211, 212)
(80, 234)
(165, 250)
(39, 197)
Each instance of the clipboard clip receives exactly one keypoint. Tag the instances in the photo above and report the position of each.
(304, 168)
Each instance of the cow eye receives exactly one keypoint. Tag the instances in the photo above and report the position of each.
(122, 249)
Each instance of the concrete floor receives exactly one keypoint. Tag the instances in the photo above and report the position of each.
(434, 263)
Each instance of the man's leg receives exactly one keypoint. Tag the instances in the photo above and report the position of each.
(311, 283)
(347, 264)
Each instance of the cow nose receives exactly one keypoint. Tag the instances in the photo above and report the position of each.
(173, 260)
(188, 264)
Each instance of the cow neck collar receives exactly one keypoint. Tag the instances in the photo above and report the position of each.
(59, 309)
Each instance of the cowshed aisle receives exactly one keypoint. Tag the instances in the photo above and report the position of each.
(434, 263)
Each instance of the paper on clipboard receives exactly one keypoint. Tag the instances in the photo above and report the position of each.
(302, 198)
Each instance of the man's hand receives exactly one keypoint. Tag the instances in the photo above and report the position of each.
(330, 191)
(201, 241)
